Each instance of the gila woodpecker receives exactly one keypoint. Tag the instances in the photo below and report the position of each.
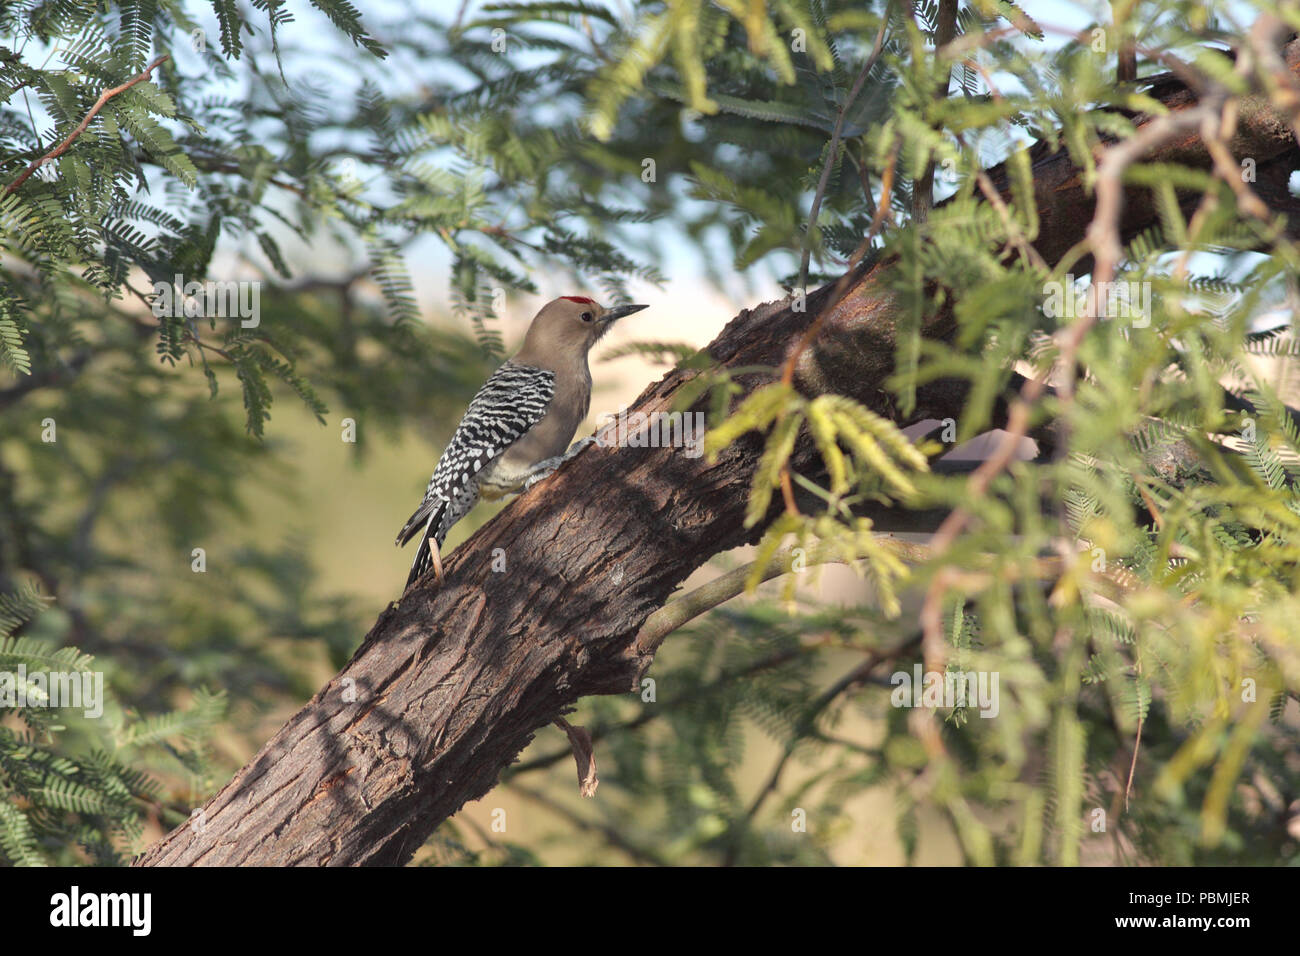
(516, 428)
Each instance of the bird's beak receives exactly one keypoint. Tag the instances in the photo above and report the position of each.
(616, 313)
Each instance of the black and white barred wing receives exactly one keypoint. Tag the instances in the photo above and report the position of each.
(511, 401)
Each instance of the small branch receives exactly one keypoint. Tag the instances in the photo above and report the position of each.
(837, 293)
(834, 150)
(1137, 744)
(81, 127)
(945, 31)
(1126, 69)
(218, 166)
(649, 714)
(842, 286)
(677, 613)
(857, 676)
(611, 835)
(1015, 234)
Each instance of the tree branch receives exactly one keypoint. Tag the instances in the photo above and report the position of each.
(104, 97)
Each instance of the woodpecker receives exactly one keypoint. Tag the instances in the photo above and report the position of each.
(517, 427)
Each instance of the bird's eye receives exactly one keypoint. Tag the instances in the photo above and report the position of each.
(587, 317)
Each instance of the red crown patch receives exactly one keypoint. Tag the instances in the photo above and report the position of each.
(579, 298)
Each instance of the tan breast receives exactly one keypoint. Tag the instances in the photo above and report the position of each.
(547, 439)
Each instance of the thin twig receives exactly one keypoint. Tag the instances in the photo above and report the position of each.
(882, 210)
(611, 834)
(694, 695)
(836, 132)
(706, 597)
(1126, 70)
(854, 678)
(1015, 234)
(837, 293)
(945, 30)
(1137, 743)
(104, 97)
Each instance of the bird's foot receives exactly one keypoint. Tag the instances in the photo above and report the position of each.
(542, 470)
(545, 468)
(578, 446)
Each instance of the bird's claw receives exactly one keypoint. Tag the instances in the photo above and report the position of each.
(544, 471)
(578, 446)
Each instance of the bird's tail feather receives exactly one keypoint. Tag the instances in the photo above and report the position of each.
(427, 518)
(427, 515)
(423, 559)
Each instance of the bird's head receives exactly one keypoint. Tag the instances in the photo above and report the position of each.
(568, 327)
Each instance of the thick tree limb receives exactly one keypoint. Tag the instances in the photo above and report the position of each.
(450, 685)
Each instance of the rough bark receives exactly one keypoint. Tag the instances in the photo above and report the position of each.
(451, 683)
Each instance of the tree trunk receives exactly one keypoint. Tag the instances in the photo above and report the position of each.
(450, 684)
